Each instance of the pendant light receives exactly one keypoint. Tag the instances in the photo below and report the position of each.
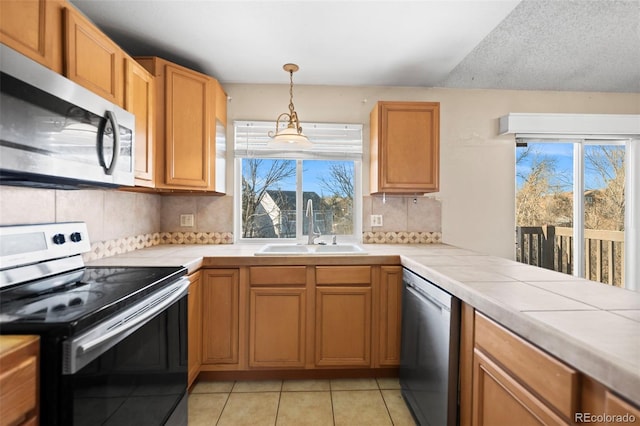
(291, 137)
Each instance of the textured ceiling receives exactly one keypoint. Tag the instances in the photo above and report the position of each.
(503, 44)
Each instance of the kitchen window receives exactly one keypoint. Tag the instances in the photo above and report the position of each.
(273, 187)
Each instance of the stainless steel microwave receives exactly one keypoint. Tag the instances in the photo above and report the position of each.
(57, 134)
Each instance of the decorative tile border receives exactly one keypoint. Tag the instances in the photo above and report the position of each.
(108, 248)
(197, 238)
(401, 237)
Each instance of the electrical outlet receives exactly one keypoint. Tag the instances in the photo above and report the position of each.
(186, 220)
(376, 220)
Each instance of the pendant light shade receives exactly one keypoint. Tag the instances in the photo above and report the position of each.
(290, 137)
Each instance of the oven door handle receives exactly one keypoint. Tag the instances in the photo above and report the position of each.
(81, 350)
(143, 315)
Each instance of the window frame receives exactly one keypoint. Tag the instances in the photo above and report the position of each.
(298, 157)
(631, 236)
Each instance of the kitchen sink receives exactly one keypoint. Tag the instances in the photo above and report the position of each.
(310, 250)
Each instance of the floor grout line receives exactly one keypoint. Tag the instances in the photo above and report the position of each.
(331, 391)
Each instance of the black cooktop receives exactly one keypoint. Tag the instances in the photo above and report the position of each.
(78, 299)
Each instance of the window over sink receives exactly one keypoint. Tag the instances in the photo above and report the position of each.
(273, 187)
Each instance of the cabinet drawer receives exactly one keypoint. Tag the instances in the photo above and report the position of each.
(18, 391)
(547, 377)
(339, 275)
(277, 275)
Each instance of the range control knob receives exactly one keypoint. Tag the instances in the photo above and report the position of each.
(59, 239)
(76, 237)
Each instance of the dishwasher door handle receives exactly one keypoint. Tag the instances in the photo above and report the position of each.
(422, 295)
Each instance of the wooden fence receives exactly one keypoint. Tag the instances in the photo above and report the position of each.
(551, 247)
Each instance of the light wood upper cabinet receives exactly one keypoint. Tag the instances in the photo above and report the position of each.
(185, 131)
(221, 317)
(195, 326)
(405, 147)
(220, 139)
(140, 100)
(92, 59)
(34, 28)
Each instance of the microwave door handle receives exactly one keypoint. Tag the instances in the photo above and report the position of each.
(116, 144)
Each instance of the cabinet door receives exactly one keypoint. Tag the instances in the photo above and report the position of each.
(188, 141)
(220, 316)
(19, 381)
(618, 408)
(33, 28)
(343, 326)
(405, 146)
(92, 59)
(195, 326)
(498, 399)
(220, 167)
(277, 319)
(140, 100)
(390, 315)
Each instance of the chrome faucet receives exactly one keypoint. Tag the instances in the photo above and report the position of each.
(311, 236)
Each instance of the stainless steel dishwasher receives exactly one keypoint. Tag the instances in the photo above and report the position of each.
(429, 351)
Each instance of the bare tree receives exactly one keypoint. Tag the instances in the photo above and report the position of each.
(339, 184)
(606, 207)
(340, 180)
(531, 198)
(258, 177)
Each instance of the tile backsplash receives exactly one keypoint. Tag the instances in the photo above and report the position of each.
(109, 214)
(121, 221)
(405, 220)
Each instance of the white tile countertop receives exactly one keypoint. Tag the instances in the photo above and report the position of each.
(591, 326)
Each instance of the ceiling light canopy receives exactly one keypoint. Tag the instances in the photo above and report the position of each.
(290, 137)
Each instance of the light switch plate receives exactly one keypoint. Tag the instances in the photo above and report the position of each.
(376, 220)
(186, 220)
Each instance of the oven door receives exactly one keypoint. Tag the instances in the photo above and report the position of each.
(140, 380)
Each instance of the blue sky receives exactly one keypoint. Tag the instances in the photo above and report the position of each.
(314, 171)
(562, 153)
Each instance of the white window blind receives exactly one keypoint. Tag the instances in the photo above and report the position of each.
(330, 141)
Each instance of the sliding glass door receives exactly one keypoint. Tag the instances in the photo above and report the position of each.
(570, 206)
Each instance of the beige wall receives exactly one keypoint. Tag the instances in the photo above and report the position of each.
(477, 178)
(477, 166)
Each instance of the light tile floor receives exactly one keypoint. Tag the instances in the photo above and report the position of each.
(343, 402)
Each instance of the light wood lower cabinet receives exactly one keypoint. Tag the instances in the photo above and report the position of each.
(301, 317)
(19, 362)
(343, 326)
(277, 332)
(506, 380)
(499, 399)
(195, 326)
(220, 317)
(390, 330)
(343, 316)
